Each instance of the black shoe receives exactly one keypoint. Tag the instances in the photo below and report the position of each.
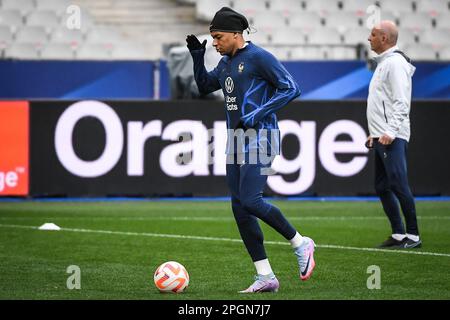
(392, 243)
(411, 244)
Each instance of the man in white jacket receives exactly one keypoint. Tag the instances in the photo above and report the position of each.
(388, 108)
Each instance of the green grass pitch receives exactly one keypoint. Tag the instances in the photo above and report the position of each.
(118, 246)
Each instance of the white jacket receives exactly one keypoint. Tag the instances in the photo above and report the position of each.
(389, 100)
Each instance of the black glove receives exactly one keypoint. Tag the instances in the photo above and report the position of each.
(194, 44)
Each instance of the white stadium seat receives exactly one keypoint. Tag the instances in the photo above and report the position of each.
(103, 35)
(405, 37)
(11, 18)
(341, 53)
(24, 6)
(32, 35)
(324, 36)
(205, 9)
(47, 19)
(129, 51)
(310, 20)
(360, 6)
(435, 37)
(444, 54)
(266, 19)
(57, 51)
(397, 6)
(342, 20)
(416, 21)
(281, 53)
(286, 5)
(6, 36)
(91, 51)
(321, 6)
(420, 52)
(260, 37)
(64, 35)
(308, 53)
(443, 21)
(356, 35)
(433, 6)
(246, 5)
(22, 51)
(58, 6)
(290, 36)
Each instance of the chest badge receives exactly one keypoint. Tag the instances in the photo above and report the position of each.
(241, 67)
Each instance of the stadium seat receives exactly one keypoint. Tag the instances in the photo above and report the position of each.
(358, 6)
(416, 21)
(22, 51)
(91, 51)
(260, 37)
(285, 5)
(433, 7)
(247, 5)
(23, 6)
(356, 35)
(308, 53)
(47, 19)
(406, 37)
(290, 36)
(64, 35)
(321, 7)
(420, 52)
(11, 18)
(103, 35)
(435, 37)
(281, 53)
(324, 36)
(6, 36)
(397, 6)
(260, 19)
(57, 6)
(36, 35)
(341, 53)
(205, 9)
(128, 51)
(342, 20)
(444, 54)
(57, 51)
(305, 20)
(443, 21)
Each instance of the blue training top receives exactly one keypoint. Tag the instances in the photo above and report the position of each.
(255, 85)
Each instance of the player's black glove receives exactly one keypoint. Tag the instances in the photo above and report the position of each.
(194, 44)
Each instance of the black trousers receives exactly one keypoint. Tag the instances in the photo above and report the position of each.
(391, 185)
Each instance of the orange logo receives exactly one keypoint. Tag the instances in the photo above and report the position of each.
(14, 141)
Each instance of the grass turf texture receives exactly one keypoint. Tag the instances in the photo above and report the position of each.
(120, 266)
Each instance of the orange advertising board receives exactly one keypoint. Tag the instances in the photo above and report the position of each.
(14, 154)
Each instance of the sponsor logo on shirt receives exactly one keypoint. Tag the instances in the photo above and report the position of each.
(229, 85)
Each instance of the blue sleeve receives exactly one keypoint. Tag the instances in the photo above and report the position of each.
(207, 82)
(286, 88)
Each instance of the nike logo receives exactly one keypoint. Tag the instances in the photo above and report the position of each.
(306, 269)
(413, 245)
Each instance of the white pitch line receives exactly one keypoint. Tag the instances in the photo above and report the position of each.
(220, 219)
(177, 236)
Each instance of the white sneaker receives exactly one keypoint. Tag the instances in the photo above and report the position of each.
(261, 285)
(305, 258)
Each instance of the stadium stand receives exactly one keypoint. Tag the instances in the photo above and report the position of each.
(147, 29)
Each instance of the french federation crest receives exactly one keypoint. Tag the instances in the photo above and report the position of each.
(241, 67)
